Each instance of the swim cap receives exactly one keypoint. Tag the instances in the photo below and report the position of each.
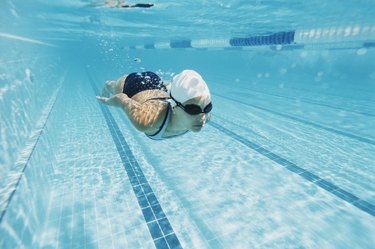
(187, 85)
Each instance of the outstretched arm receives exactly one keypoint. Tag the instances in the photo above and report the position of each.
(144, 116)
(114, 100)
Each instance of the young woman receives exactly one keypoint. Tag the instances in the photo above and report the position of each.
(161, 110)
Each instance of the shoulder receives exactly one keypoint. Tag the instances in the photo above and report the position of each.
(150, 113)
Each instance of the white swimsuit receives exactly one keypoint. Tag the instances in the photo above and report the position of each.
(159, 134)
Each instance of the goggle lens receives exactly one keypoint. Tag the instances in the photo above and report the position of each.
(196, 109)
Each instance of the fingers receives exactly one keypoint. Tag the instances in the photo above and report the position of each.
(102, 99)
(112, 101)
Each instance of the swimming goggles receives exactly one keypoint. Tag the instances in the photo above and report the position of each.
(194, 109)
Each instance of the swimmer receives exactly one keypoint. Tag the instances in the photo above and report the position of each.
(122, 4)
(161, 110)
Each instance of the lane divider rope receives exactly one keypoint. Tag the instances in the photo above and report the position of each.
(341, 37)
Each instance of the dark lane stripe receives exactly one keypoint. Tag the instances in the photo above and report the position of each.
(157, 222)
(340, 193)
(342, 133)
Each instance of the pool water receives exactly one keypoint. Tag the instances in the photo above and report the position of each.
(287, 161)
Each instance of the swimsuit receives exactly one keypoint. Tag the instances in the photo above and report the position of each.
(159, 134)
(138, 82)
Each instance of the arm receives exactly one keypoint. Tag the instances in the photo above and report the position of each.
(144, 116)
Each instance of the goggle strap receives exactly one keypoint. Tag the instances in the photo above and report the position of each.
(184, 107)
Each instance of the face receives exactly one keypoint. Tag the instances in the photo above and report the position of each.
(195, 122)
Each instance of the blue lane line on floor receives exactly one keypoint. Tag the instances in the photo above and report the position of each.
(342, 133)
(333, 189)
(157, 222)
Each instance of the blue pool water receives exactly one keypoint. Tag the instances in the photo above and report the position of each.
(287, 161)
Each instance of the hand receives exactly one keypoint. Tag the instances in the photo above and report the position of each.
(113, 100)
(102, 99)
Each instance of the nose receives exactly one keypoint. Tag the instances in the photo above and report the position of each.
(203, 117)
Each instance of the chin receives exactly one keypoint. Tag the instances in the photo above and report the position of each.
(196, 129)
